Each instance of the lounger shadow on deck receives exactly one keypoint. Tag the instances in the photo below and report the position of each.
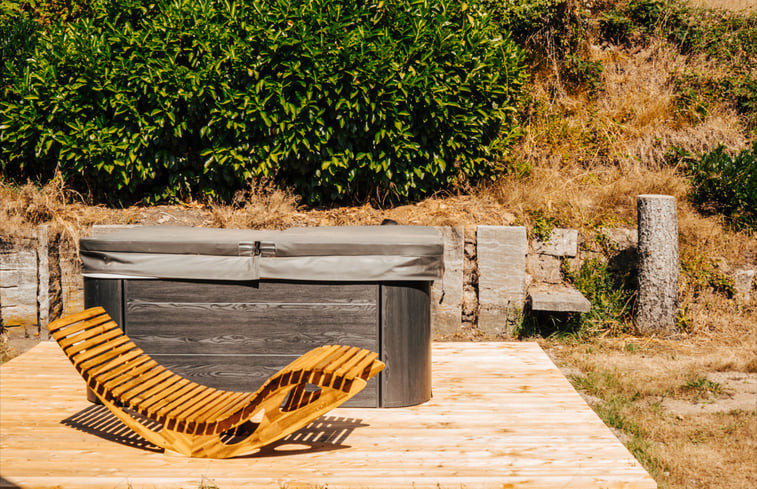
(325, 434)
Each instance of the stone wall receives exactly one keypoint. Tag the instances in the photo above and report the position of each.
(40, 279)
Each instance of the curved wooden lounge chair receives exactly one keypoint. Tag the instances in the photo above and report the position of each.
(200, 421)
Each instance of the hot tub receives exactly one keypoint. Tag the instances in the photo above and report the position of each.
(229, 308)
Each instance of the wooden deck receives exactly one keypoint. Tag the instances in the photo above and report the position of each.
(502, 416)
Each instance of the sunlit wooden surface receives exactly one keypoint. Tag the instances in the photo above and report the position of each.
(502, 416)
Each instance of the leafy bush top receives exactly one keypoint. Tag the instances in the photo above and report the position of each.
(723, 184)
(337, 98)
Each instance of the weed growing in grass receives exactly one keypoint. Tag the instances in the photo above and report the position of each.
(610, 295)
(702, 387)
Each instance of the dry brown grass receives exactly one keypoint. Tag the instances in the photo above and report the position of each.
(748, 6)
(639, 388)
(632, 121)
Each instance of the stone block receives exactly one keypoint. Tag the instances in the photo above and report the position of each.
(742, 284)
(71, 280)
(562, 242)
(621, 238)
(558, 299)
(447, 293)
(43, 278)
(18, 287)
(545, 268)
(501, 252)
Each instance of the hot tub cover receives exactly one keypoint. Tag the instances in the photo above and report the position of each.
(345, 253)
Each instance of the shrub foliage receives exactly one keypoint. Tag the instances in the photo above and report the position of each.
(723, 184)
(339, 99)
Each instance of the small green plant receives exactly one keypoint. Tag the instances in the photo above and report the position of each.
(701, 273)
(611, 297)
(605, 243)
(631, 347)
(723, 184)
(583, 73)
(702, 387)
(543, 225)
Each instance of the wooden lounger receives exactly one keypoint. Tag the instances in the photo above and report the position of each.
(200, 421)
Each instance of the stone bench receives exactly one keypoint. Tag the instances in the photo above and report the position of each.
(558, 299)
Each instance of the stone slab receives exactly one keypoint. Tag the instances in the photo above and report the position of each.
(559, 299)
(562, 242)
(501, 252)
(447, 293)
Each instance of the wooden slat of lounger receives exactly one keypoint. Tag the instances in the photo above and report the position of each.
(362, 368)
(335, 354)
(185, 412)
(85, 333)
(67, 331)
(347, 366)
(103, 353)
(84, 346)
(150, 405)
(117, 360)
(159, 389)
(222, 406)
(296, 367)
(122, 373)
(132, 389)
(73, 318)
(345, 358)
(232, 416)
(312, 357)
(185, 401)
(172, 414)
(98, 354)
(235, 401)
(191, 390)
(319, 375)
(111, 355)
(295, 395)
(351, 356)
(131, 372)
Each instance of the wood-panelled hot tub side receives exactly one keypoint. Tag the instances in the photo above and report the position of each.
(233, 334)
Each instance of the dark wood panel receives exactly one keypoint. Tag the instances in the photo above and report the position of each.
(107, 294)
(249, 328)
(263, 291)
(406, 344)
(245, 373)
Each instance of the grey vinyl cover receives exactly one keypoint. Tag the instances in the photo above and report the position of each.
(345, 253)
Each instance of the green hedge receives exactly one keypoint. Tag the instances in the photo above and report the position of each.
(339, 99)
